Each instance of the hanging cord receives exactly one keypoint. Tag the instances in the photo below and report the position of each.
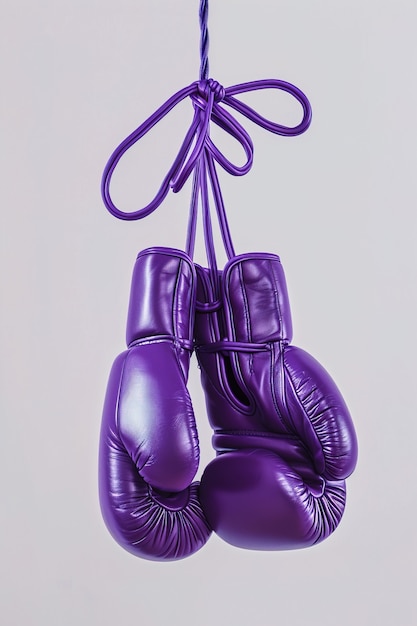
(204, 41)
(198, 154)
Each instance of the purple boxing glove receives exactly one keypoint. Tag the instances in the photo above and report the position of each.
(149, 449)
(284, 438)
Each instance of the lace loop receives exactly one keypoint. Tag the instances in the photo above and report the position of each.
(206, 96)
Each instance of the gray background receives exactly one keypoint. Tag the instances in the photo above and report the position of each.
(339, 206)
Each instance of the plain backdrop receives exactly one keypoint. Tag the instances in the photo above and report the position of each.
(338, 204)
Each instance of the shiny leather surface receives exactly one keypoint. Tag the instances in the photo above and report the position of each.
(283, 434)
(149, 450)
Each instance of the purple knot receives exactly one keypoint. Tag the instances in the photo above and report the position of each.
(210, 85)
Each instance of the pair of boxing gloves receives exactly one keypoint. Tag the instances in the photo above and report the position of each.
(283, 436)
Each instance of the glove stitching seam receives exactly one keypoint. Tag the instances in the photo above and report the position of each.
(279, 360)
(117, 411)
(291, 383)
(246, 314)
(174, 308)
(275, 289)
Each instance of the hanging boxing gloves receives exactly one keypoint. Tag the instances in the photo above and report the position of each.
(283, 436)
